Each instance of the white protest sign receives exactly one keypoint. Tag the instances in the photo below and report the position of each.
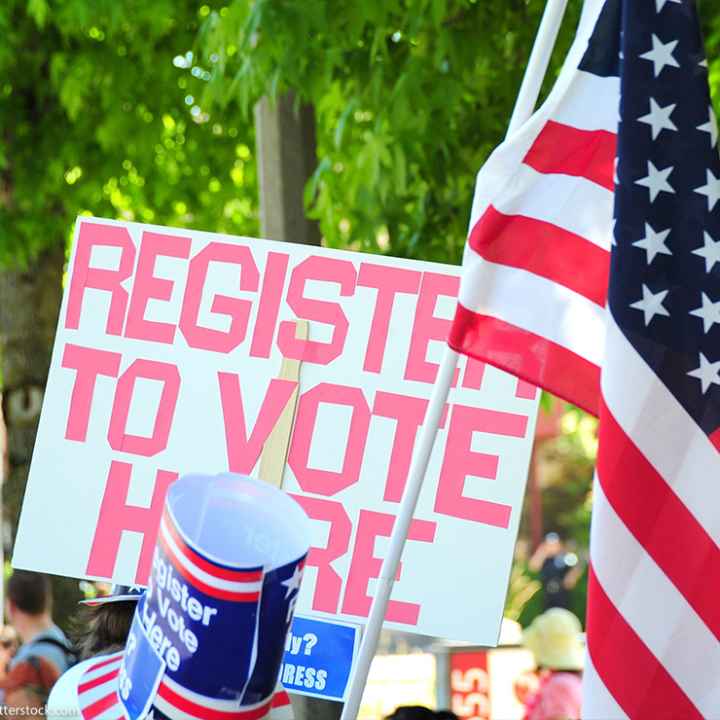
(166, 361)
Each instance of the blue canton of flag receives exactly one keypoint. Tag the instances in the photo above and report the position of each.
(652, 611)
(665, 271)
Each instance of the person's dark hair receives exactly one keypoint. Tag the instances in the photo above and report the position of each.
(445, 715)
(103, 628)
(30, 592)
(412, 712)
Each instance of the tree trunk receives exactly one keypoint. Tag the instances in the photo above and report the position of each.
(286, 159)
(29, 305)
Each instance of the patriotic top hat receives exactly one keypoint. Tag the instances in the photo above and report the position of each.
(118, 593)
(208, 636)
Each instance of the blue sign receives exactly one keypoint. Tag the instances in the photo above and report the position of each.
(319, 658)
(137, 689)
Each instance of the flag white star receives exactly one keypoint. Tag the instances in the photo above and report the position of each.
(709, 312)
(710, 251)
(708, 373)
(661, 55)
(711, 190)
(711, 127)
(293, 583)
(651, 304)
(659, 118)
(656, 181)
(660, 4)
(653, 243)
(703, 63)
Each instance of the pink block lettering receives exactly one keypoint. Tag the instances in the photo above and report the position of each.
(89, 363)
(427, 326)
(83, 276)
(365, 565)
(169, 376)
(244, 451)
(409, 413)
(238, 310)
(460, 461)
(331, 270)
(329, 582)
(525, 390)
(147, 286)
(116, 517)
(473, 375)
(388, 281)
(269, 305)
(328, 482)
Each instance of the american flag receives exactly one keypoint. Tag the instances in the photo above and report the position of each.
(537, 266)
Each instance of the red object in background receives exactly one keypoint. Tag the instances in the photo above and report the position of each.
(470, 685)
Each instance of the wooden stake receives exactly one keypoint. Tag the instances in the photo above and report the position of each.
(275, 451)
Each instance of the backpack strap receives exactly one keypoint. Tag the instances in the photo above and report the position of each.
(64, 645)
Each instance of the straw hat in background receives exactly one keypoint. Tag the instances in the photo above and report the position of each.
(555, 639)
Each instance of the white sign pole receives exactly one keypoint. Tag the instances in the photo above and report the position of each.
(537, 64)
(524, 106)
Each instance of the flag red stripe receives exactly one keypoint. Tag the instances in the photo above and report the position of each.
(203, 564)
(100, 706)
(202, 711)
(659, 520)
(219, 593)
(631, 673)
(280, 699)
(111, 659)
(528, 356)
(589, 154)
(543, 249)
(90, 684)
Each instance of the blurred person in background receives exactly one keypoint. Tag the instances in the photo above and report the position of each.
(103, 624)
(559, 571)
(9, 643)
(102, 627)
(419, 712)
(45, 652)
(555, 639)
(411, 712)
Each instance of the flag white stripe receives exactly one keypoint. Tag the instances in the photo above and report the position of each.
(649, 413)
(104, 670)
(216, 582)
(598, 703)
(536, 195)
(586, 88)
(555, 312)
(90, 697)
(671, 629)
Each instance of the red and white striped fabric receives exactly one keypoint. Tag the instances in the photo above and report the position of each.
(98, 699)
(532, 302)
(213, 580)
(535, 270)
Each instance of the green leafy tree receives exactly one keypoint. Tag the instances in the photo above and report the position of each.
(410, 98)
(98, 115)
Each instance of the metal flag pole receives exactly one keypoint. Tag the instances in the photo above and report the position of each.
(524, 106)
